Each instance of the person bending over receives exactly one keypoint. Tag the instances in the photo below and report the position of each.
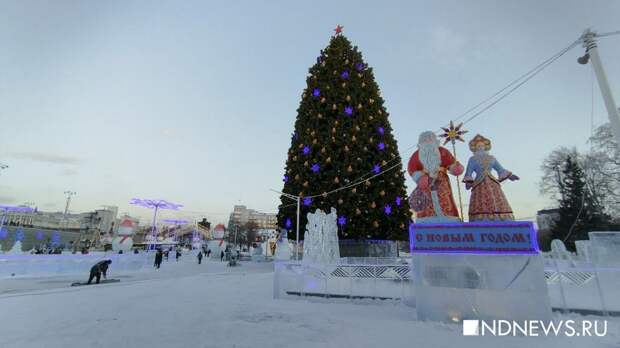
(99, 268)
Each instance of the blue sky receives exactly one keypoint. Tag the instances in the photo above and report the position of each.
(195, 101)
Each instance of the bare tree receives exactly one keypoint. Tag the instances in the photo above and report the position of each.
(603, 169)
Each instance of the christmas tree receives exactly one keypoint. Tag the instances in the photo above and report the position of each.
(343, 153)
(579, 211)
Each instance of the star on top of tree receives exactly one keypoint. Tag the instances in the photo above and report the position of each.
(338, 29)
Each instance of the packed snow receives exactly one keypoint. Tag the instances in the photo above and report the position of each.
(184, 304)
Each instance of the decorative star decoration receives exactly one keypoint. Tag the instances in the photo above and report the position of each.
(342, 220)
(452, 133)
(387, 209)
(348, 110)
(315, 168)
(398, 201)
(307, 201)
(338, 29)
(288, 223)
(376, 168)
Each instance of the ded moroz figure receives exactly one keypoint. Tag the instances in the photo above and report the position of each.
(487, 200)
(429, 167)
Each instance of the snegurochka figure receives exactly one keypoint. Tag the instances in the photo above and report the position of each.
(487, 201)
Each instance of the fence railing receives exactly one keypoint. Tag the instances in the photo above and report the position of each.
(571, 285)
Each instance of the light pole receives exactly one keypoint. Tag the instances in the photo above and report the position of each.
(590, 44)
(64, 223)
(298, 199)
(154, 204)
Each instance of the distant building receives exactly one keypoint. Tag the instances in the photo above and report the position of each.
(102, 220)
(544, 220)
(242, 215)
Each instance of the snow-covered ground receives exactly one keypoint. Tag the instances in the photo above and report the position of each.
(210, 305)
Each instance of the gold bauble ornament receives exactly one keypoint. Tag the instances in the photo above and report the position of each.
(297, 177)
(383, 162)
(349, 169)
(370, 117)
(367, 182)
(354, 190)
(305, 184)
(334, 130)
(340, 201)
(294, 158)
(373, 205)
(371, 101)
(323, 150)
(314, 141)
(357, 211)
(382, 193)
(336, 180)
(353, 138)
(376, 223)
(312, 133)
(306, 163)
(346, 148)
(324, 194)
(344, 84)
(334, 107)
(328, 160)
(359, 106)
(348, 98)
(323, 100)
(363, 84)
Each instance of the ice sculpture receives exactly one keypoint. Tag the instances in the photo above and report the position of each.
(321, 238)
(17, 248)
(283, 249)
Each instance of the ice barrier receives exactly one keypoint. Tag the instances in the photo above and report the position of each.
(26, 265)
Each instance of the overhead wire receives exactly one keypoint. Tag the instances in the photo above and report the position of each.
(515, 84)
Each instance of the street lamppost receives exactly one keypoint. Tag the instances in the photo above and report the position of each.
(156, 205)
(589, 43)
(64, 221)
(298, 199)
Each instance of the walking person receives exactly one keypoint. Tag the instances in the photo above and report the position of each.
(222, 255)
(159, 255)
(178, 254)
(199, 257)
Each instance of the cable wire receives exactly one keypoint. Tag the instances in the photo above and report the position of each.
(523, 79)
